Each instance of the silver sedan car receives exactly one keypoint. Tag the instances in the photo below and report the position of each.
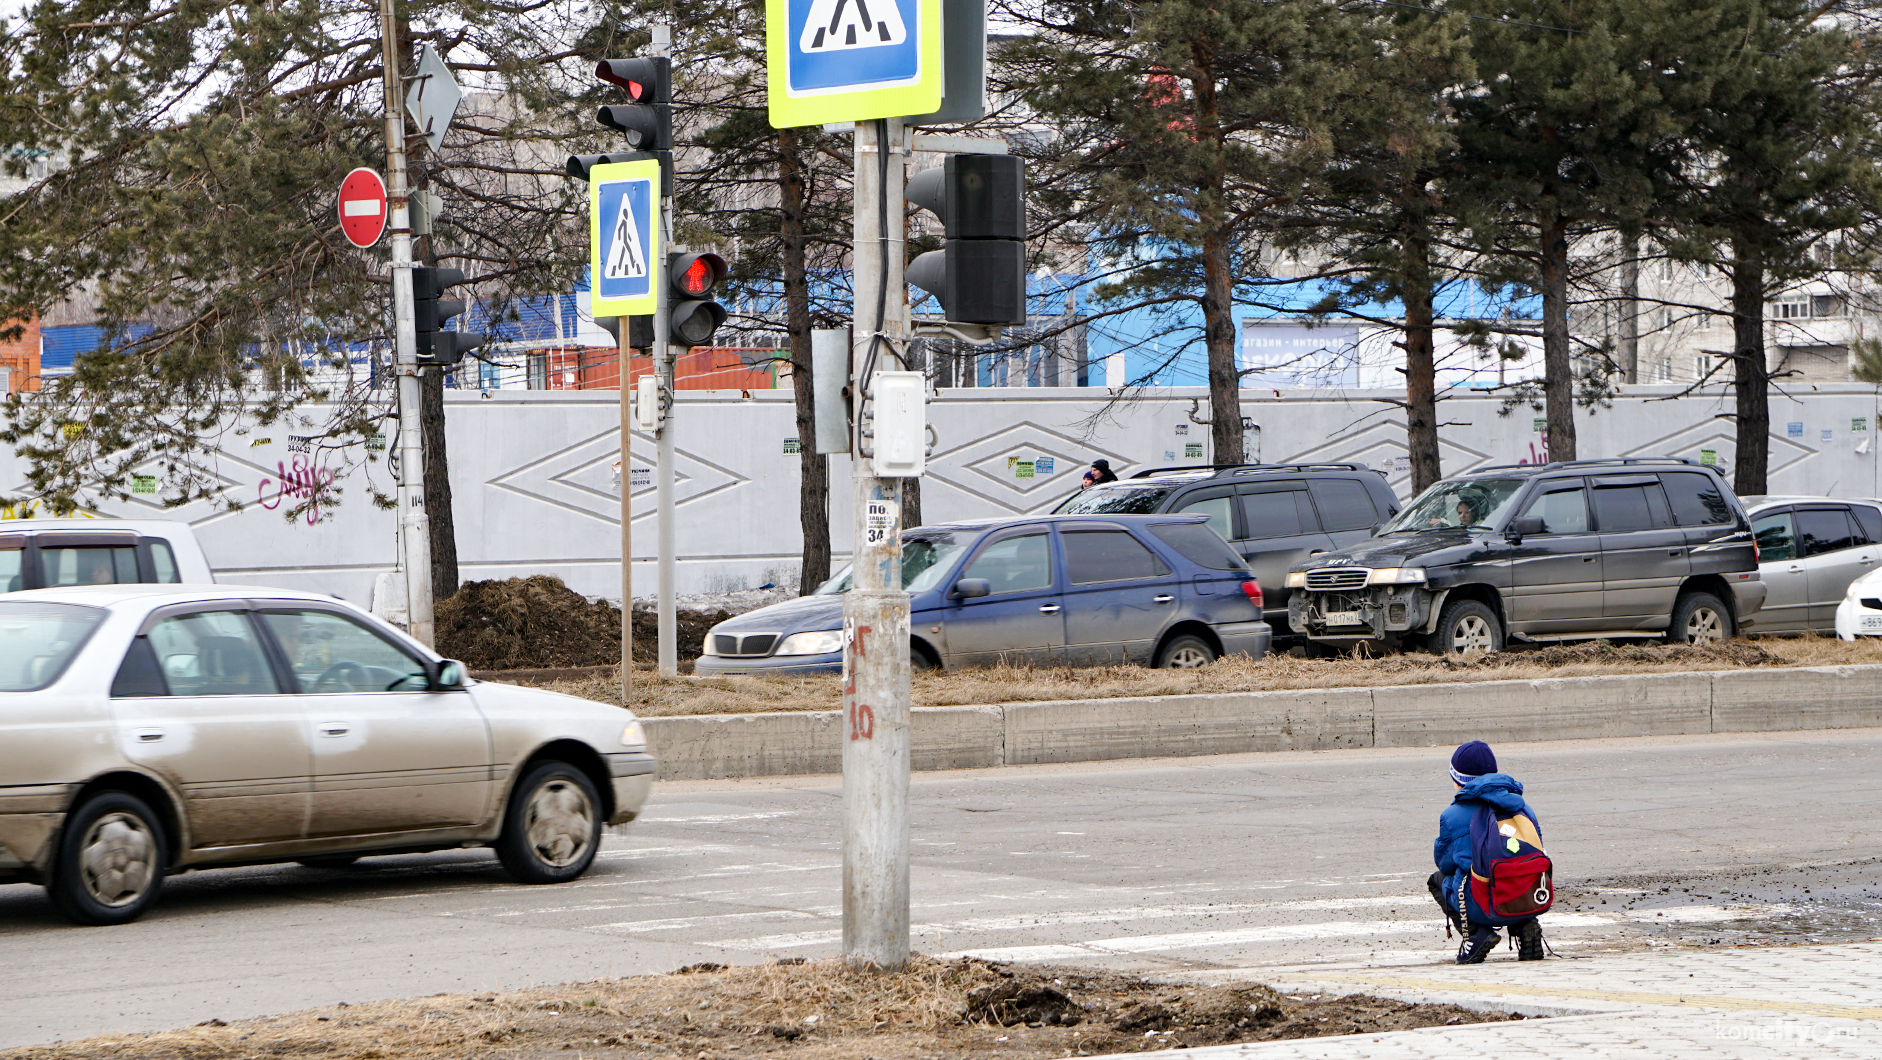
(153, 729)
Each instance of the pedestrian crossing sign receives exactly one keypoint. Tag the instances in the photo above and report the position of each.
(851, 60)
(624, 237)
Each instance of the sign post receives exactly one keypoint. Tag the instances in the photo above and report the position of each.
(624, 279)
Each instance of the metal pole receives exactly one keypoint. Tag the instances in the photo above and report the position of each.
(414, 523)
(875, 611)
(627, 522)
(666, 620)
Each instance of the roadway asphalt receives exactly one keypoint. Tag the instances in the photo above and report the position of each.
(1236, 861)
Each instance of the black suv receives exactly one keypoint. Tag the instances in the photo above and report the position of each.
(1274, 514)
(1584, 548)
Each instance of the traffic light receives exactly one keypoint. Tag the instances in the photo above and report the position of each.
(430, 311)
(639, 330)
(692, 315)
(647, 121)
(979, 275)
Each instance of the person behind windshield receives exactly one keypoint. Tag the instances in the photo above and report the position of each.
(1466, 515)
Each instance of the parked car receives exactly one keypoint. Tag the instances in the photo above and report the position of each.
(1274, 514)
(1810, 550)
(1563, 551)
(41, 553)
(1047, 590)
(157, 729)
(1860, 612)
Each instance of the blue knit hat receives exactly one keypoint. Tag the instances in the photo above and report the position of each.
(1471, 761)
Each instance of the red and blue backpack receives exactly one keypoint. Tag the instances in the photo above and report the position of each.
(1511, 876)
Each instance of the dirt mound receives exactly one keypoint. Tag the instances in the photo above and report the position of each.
(540, 623)
(1018, 1000)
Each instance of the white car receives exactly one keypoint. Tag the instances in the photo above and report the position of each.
(1860, 613)
(151, 729)
(1810, 550)
(46, 553)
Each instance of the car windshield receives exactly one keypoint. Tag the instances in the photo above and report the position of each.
(38, 641)
(1454, 503)
(1135, 499)
(926, 558)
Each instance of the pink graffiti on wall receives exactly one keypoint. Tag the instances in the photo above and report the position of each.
(1537, 455)
(299, 480)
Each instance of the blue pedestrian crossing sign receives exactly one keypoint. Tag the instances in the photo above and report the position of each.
(851, 60)
(624, 259)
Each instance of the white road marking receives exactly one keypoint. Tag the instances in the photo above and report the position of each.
(672, 923)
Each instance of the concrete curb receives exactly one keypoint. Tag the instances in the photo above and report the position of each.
(716, 746)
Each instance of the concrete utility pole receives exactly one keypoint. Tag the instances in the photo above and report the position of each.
(666, 621)
(875, 610)
(414, 523)
(627, 520)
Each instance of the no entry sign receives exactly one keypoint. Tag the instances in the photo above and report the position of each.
(363, 207)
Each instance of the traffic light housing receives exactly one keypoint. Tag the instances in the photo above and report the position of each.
(437, 345)
(646, 121)
(979, 274)
(692, 315)
(639, 330)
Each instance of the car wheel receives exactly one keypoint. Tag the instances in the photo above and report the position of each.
(918, 661)
(552, 827)
(335, 861)
(110, 861)
(1467, 626)
(1186, 652)
(1699, 618)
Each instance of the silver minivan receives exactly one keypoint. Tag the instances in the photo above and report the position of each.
(47, 553)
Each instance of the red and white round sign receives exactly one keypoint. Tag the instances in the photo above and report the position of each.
(363, 207)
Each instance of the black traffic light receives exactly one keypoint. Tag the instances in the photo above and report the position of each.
(692, 315)
(647, 120)
(979, 275)
(430, 311)
(639, 330)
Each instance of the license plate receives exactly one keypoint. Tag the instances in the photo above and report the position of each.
(1351, 618)
(1872, 623)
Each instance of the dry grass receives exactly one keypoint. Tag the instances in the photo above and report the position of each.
(656, 696)
(822, 1010)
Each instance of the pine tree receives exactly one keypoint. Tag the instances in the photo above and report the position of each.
(1174, 130)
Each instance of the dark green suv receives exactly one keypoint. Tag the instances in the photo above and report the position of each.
(1273, 514)
(1565, 551)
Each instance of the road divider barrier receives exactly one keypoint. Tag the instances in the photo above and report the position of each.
(717, 746)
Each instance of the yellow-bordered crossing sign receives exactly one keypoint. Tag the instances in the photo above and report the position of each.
(851, 60)
(624, 260)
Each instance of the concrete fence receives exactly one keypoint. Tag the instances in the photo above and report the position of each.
(1437, 715)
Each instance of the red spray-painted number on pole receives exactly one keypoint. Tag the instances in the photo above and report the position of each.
(862, 722)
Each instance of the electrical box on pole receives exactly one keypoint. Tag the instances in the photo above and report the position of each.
(979, 274)
(829, 375)
(899, 424)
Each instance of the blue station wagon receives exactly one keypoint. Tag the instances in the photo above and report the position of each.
(1162, 590)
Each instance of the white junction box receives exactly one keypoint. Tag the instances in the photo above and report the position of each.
(901, 424)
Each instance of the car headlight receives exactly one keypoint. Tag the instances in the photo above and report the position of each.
(1297, 579)
(1397, 576)
(635, 735)
(821, 642)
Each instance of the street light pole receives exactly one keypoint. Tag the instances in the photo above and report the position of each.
(875, 610)
(414, 522)
(666, 624)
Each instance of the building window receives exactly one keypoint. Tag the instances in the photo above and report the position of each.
(1826, 305)
(1790, 309)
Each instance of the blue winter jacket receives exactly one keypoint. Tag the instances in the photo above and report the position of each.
(1452, 849)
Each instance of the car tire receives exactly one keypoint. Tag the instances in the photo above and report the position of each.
(919, 662)
(335, 861)
(1699, 618)
(110, 861)
(552, 826)
(1186, 652)
(1466, 626)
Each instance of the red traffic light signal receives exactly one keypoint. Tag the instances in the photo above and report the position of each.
(648, 80)
(695, 275)
(692, 316)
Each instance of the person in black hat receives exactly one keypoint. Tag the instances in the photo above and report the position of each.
(1099, 474)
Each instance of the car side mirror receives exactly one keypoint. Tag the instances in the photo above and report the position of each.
(448, 676)
(1522, 527)
(968, 588)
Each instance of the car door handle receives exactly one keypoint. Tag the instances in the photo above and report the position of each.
(1674, 551)
(149, 735)
(1048, 609)
(334, 728)
(1163, 598)
(1589, 559)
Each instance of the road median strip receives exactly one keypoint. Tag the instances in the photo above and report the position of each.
(1774, 699)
